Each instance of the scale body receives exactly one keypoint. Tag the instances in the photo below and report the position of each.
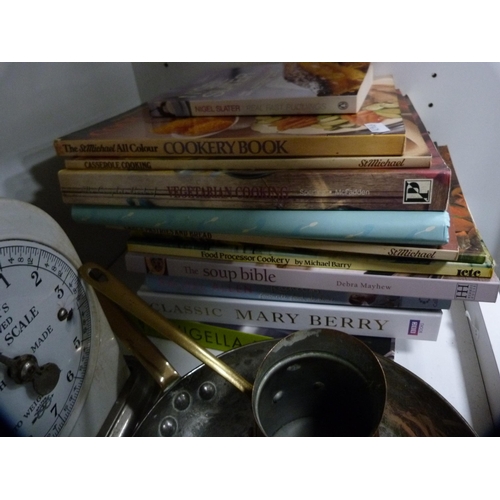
(61, 367)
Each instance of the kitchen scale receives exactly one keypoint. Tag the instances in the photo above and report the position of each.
(60, 366)
(63, 372)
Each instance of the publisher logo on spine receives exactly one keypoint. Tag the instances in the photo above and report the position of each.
(418, 191)
(414, 327)
(465, 291)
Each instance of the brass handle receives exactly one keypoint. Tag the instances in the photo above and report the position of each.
(105, 283)
(143, 349)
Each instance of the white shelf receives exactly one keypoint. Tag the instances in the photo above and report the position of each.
(483, 319)
(451, 366)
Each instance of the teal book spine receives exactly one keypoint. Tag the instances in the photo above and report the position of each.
(396, 227)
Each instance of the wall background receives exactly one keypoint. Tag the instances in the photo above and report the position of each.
(41, 101)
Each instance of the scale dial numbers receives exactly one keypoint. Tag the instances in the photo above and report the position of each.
(45, 339)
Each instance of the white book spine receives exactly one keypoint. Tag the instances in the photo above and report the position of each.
(437, 287)
(371, 322)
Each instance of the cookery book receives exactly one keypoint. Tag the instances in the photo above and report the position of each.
(383, 189)
(341, 280)
(416, 154)
(366, 321)
(193, 286)
(219, 336)
(396, 227)
(327, 260)
(470, 243)
(447, 251)
(378, 129)
(347, 189)
(271, 89)
(227, 337)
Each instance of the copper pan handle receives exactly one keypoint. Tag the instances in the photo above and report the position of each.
(109, 286)
(150, 357)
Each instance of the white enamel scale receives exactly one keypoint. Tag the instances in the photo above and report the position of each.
(60, 366)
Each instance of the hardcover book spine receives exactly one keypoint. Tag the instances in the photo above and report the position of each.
(447, 252)
(320, 260)
(193, 286)
(394, 227)
(382, 189)
(367, 162)
(437, 287)
(256, 146)
(378, 322)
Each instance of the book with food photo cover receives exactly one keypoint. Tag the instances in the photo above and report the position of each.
(416, 154)
(377, 129)
(271, 89)
(471, 246)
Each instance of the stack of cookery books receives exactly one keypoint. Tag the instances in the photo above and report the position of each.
(279, 197)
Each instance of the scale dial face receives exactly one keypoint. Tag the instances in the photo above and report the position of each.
(45, 340)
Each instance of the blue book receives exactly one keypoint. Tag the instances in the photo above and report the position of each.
(396, 227)
(196, 286)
